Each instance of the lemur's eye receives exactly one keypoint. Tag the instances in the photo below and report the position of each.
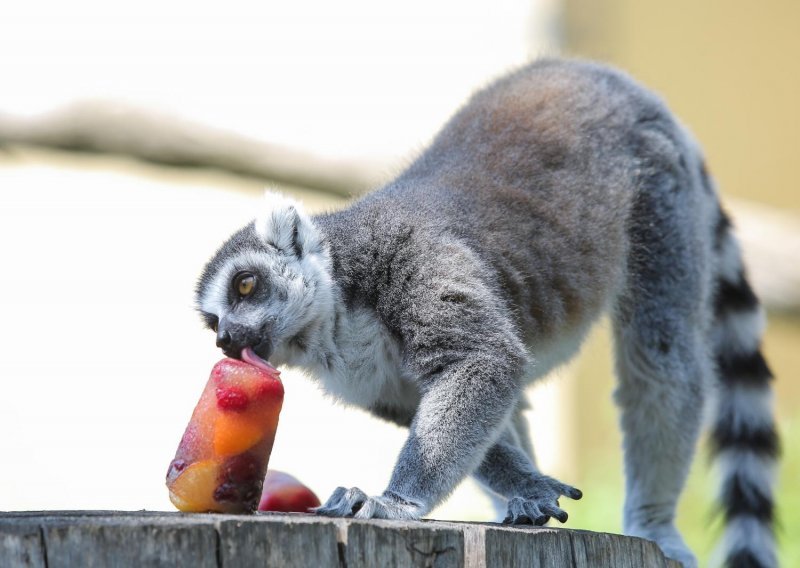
(244, 283)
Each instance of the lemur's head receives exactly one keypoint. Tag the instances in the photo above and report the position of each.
(269, 285)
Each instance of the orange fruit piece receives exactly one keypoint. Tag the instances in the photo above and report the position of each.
(234, 434)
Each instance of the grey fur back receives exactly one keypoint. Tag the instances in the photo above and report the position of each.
(537, 174)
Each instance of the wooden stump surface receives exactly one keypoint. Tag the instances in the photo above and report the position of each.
(56, 539)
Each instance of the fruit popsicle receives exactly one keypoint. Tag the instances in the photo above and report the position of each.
(223, 455)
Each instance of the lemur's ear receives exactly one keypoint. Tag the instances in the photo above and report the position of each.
(285, 226)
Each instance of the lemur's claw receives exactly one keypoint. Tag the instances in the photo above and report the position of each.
(355, 503)
(541, 503)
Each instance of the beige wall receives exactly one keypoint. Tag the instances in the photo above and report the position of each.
(729, 69)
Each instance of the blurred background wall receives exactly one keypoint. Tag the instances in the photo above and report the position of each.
(728, 69)
(101, 355)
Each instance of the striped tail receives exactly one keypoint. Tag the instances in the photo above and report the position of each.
(745, 441)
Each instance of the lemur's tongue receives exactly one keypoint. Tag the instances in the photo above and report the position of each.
(249, 356)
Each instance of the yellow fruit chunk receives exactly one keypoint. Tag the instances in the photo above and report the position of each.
(234, 434)
(193, 490)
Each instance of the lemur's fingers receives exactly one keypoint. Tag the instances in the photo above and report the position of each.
(523, 511)
(545, 485)
(343, 503)
(555, 512)
(516, 513)
(535, 513)
(566, 490)
(540, 502)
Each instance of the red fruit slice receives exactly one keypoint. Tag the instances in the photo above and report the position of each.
(284, 493)
(224, 453)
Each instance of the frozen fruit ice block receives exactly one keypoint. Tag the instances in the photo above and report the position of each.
(284, 493)
(223, 455)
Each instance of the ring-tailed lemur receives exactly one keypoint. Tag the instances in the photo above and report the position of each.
(559, 192)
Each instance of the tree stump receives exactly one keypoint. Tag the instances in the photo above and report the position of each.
(56, 539)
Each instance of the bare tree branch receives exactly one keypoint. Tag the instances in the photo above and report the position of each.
(107, 127)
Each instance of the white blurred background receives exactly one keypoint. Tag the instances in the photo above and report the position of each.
(102, 357)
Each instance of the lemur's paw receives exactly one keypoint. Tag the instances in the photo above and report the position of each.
(355, 503)
(669, 540)
(541, 504)
(343, 503)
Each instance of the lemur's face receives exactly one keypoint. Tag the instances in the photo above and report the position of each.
(267, 285)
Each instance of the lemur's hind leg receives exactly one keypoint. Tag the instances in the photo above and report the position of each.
(662, 359)
(660, 393)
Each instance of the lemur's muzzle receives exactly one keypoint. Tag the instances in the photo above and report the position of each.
(224, 339)
(233, 337)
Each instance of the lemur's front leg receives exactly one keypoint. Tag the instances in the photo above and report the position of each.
(461, 413)
(461, 343)
(533, 497)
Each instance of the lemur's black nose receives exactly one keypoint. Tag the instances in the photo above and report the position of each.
(223, 339)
